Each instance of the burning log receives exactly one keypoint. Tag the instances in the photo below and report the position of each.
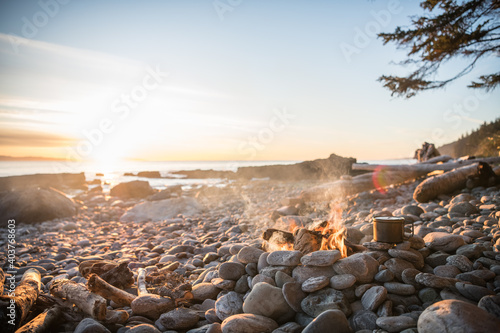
(307, 241)
(452, 181)
(43, 322)
(90, 303)
(100, 287)
(2, 280)
(15, 309)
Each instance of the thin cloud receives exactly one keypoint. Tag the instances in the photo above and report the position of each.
(24, 138)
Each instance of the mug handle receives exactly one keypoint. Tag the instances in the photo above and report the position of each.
(412, 231)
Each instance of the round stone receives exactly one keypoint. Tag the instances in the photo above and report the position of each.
(292, 291)
(284, 258)
(266, 300)
(231, 270)
(325, 299)
(315, 283)
(248, 323)
(342, 281)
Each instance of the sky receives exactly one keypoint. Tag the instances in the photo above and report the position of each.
(218, 80)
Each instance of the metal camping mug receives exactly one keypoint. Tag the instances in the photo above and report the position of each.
(389, 229)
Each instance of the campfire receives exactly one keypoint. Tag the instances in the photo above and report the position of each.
(326, 235)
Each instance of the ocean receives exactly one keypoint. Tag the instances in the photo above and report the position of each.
(114, 174)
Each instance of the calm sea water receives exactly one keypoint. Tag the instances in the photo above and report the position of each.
(114, 174)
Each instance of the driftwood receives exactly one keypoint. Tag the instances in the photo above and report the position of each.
(104, 289)
(43, 322)
(437, 159)
(119, 276)
(90, 303)
(451, 181)
(423, 166)
(141, 282)
(15, 309)
(367, 182)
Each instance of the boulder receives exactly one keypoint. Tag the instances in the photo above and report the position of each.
(457, 317)
(133, 189)
(34, 204)
(162, 210)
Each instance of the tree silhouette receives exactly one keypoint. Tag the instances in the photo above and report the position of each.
(451, 29)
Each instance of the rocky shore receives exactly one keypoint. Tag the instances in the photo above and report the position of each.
(195, 261)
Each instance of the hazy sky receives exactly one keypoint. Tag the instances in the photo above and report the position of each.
(224, 80)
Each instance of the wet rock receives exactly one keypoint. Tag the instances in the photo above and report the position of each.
(342, 281)
(292, 291)
(327, 320)
(396, 324)
(249, 254)
(321, 258)
(231, 270)
(31, 205)
(456, 316)
(229, 305)
(248, 323)
(133, 189)
(268, 301)
(178, 319)
(442, 241)
(374, 297)
(362, 266)
(89, 325)
(162, 210)
(284, 258)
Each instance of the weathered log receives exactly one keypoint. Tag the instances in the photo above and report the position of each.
(141, 282)
(437, 159)
(423, 166)
(15, 308)
(104, 289)
(367, 182)
(43, 322)
(307, 241)
(76, 293)
(451, 181)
